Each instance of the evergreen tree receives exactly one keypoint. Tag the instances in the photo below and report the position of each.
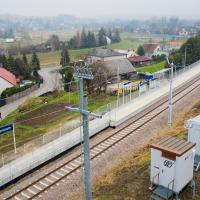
(11, 65)
(54, 42)
(91, 40)
(65, 59)
(24, 59)
(78, 39)
(110, 33)
(116, 36)
(68, 77)
(35, 62)
(20, 67)
(72, 43)
(102, 37)
(140, 51)
(3, 61)
(84, 38)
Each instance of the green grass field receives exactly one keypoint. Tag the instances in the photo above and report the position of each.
(152, 68)
(126, 43)
(53, 58)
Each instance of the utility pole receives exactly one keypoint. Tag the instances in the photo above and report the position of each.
(170, 93)
(84, 73)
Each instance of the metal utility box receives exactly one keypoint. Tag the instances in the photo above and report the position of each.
(172, 162)
(193, 126)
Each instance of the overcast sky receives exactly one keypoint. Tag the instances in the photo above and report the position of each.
(103, 8)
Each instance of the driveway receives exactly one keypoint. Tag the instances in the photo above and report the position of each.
(51, 82)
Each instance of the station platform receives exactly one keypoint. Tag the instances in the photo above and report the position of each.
(114, 118)
(130, 109)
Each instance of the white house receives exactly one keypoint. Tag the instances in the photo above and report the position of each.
(9, 40)
(7, 79)
(151, 49)
(183, 33)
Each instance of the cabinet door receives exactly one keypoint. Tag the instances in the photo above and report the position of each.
(167, 172)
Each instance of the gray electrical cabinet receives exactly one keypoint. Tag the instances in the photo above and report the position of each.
(193, 126)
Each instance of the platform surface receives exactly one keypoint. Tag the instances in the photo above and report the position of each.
(120, 115)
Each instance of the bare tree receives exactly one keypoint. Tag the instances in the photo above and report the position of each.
(99, 84)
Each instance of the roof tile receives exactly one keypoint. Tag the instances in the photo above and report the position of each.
(8, 76)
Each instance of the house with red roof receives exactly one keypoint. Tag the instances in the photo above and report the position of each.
(139, 60)
(7, 79)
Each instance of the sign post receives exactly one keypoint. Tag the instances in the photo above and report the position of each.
(14, 139)
(8, 128)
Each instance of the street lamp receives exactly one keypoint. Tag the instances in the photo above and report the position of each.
(170, 92)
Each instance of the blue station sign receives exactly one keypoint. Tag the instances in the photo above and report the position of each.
(6, 128)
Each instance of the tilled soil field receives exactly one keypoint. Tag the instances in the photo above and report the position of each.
(41, 116)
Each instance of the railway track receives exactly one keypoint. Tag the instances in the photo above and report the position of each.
(36, 188)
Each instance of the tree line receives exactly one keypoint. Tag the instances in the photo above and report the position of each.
(192, 48)
(88, 39)
(82, 39)
(20, 66)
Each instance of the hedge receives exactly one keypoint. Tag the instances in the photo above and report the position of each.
(13, 90)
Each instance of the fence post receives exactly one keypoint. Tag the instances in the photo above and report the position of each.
(123, 94)
(42, 139)
(60, 130)
(14, 139)
(2, 159)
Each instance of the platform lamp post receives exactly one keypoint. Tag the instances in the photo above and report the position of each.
(84, 73)
(170, 92)
(185, 56)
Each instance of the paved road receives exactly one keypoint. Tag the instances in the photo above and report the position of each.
(51, 82)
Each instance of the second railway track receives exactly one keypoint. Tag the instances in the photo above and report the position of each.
(36, 188)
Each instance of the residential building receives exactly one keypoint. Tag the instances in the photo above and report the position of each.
(151, 49)
(140, 60)
(9, 40)
(7, 79)
(129, 53)
(119, 69)
(183, 33)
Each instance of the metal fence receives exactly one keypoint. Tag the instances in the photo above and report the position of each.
(129, 95)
